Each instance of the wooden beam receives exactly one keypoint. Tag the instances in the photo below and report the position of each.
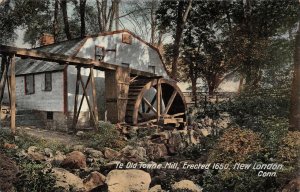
(82, 98)
(3, 79)
(76, 99)
(64, 59)
(149, 105)
(95, 107)
(13, 94)
(158, 100)
(84, 87)
(170, 102)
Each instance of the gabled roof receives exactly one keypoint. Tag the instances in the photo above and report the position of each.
(29, 66)
(68, 47)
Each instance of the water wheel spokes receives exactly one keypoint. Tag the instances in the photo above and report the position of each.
(155, 100)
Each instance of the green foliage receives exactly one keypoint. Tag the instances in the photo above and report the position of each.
(31, 175)
(237, 181)
(251, 108)
(273, 130)
(35, 177)
(289, 150)
(106, 136)
(236, 145)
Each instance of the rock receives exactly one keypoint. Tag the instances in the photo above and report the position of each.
(58, 158)
(156, 151)
(111, 154)
(48, 152)
(67, 180)
(22, 153)
(95, 179)
(175, 142)
(10, 146)
(156, 188)
(34, 154)
(74, 160)
(133, 154)
(93, 153)
(186, 184)
(205, 132)
(128, 180)
(78, 148)
(32, 149)
(161, 137)
(8, 173)
(79, 133)
(292, 186)
(194, 137)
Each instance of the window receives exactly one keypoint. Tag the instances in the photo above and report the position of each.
(125, 64)
(126, 38)
(151, 68)
(99, 53)
(48, 82)
(29, 84)
(49, 115)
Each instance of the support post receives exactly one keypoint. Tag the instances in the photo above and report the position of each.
(116, 93)
(13, 94)
(76, 99)
(158, 99)
(3, 78)
(95, 108)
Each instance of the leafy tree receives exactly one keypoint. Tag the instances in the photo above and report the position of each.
(253, 27)
(295, 94)
(174, 12)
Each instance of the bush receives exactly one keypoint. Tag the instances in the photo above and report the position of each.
(273, 130)
(106, 136)
(236, 145)
(289, 150)
(35, 177)
(250, 109)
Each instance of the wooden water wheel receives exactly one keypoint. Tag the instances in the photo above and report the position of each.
(152, 100)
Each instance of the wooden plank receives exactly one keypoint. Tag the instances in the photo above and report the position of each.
(95, 107)
(64, 59)
(158, 100)
(75, 119)
(170, 102)
(86, 97)
(82, 98)
(3, 79)
(13, 94)
(149, 105)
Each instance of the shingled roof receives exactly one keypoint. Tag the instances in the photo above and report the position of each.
(30, 66)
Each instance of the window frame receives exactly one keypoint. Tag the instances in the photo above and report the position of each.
(45, 85)
(101, 57)
(127, 38)
(152, 68)
(33, 84)
(125, 65)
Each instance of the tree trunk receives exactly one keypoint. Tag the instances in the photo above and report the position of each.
(99, 15)
(241, 85)
(111, 15)
(194, 91)
(153, 21)
(55, 21)
(295, 93)
(82, 17)
(181, 20)
(211, 90)
(63, 5)
(117, 20)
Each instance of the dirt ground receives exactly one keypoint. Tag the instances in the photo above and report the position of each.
(50, 135)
